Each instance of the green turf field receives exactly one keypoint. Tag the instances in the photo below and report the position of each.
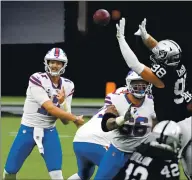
(34, 167)
(18, 99)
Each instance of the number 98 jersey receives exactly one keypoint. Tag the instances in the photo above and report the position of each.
(142, 167)
(171, 99)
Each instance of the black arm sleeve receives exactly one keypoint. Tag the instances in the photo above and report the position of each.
(104, 121)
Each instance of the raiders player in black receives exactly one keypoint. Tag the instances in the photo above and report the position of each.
(168, 75)
(157, 157)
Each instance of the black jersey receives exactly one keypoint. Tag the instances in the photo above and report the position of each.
(170, 102)
(150, 163)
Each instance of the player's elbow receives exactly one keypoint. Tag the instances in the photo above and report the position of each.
(150, 77)
(159, 85)
(104, 122)
(104, 125)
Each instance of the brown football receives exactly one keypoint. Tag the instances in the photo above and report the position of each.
(101, 17)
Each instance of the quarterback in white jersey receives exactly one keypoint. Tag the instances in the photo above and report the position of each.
(126, 135)
(34, 114)
(48, 97)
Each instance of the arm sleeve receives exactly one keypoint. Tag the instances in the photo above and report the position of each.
(39, 94)
(104, 121)
(130, 57)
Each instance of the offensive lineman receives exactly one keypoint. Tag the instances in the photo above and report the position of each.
(166, 72)
(91, 142)
(157, 157)
(122, 143)
(48, 97)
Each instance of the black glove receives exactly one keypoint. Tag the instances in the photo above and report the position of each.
(128, 115)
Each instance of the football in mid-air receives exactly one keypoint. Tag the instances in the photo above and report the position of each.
(101, 17)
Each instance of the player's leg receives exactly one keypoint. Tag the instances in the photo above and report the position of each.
(111, 163)
(187, 160)
(53, 153)
(88, 155)
(20, 150)
(186, 151)
(86, 167)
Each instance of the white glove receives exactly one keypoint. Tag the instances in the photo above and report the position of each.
(120, 28)
(120, 120)
(142, 30)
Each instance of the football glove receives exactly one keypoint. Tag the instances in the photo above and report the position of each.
(128, 114)
(142, 30)
(120, 28)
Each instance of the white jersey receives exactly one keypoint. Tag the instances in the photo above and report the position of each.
(40, 90)
(145, 112)
(92, 132)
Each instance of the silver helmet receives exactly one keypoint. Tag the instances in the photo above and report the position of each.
(166, 52)
(168, 136)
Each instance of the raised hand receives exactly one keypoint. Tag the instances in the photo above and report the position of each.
(61, 95)
(142, 30)
(120, 28)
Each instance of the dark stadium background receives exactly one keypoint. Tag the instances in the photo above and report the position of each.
(94, 57)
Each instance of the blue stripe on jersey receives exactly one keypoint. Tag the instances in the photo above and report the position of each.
(36, 83)
(107, 97)
(72, 91)
(108, 102)
(35, 79)
(100, 116)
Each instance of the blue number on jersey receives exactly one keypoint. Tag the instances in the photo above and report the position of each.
(140, 120)
(44, 112)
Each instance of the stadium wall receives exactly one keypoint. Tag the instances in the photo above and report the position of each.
(94, 55)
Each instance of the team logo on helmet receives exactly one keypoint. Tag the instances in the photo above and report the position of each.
(162, 54)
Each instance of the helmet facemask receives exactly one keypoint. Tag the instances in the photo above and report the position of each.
(58, 73)
(139, 88)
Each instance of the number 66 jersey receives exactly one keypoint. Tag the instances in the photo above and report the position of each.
(171, 100)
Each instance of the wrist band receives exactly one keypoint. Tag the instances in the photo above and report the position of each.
(120, 120)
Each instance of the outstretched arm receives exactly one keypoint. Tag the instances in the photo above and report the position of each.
(148, 40)
(132, 60)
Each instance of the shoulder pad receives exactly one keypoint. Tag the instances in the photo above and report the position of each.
(35, 80)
